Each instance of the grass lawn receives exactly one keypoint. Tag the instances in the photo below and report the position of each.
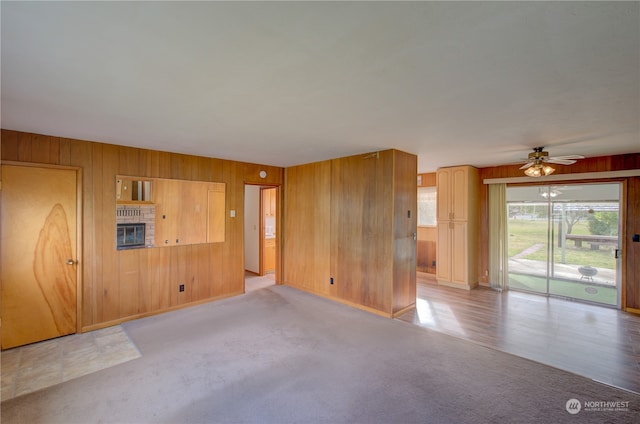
(572, 289)
(524, 234)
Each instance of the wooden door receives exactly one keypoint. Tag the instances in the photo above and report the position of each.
(38, 241)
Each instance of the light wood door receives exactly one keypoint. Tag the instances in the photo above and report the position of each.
(459, 193)
(444, 258)
(269, 255)
(38, 254)
(443, 205)
(459, 260)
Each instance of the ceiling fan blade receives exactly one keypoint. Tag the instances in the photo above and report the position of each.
(526, 165)
(560, 161)
(569, 157)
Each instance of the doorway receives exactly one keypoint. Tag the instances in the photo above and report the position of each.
(563, 241)
(261, 236)
(39, 253)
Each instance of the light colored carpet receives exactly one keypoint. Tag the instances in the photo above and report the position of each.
(278, 355)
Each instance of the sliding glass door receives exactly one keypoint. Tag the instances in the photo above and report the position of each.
(563, 241)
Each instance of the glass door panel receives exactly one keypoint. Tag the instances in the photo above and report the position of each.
(565, 244)
(528, 242)
(586, 222)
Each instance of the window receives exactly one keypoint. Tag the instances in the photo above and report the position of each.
(426, 206)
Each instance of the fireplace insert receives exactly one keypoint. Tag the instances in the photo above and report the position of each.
(130, 235)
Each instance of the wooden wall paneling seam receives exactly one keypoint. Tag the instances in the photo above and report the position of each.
(81, 269)
(94, 238)
(65, 151)
(110, 280)
(24, 147)
(623, 217)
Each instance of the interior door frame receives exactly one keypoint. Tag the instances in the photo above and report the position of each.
(262, 229)
(279, 232)
(79, 226)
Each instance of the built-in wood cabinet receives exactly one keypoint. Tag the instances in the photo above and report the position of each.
(269, 201)
(457, 210)
(350, 228)
(269, 255)
(188, 212)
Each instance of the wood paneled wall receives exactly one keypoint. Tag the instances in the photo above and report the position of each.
(405, 222)
(347, 219)
(631, 277)
(307, 223)
(127, 284)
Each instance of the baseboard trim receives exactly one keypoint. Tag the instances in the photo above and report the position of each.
(119, 321)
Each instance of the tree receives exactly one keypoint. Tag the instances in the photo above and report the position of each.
(573, 217)
(604, 223)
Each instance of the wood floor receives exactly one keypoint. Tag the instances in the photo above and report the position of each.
(592, 341)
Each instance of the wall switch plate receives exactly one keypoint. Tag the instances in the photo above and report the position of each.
(232, 213)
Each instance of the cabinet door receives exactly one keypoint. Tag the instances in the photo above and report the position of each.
(443, 252)
(443, 194)
(192, 213)
(459, 263)
(272, 202)
(217, 213)
(166, 231)
(459, 186)
(269, 255)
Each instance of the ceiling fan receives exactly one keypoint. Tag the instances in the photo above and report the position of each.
(538, 162)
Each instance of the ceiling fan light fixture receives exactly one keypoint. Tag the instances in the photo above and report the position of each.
(538, 170)
(533, 171)
(538, 162)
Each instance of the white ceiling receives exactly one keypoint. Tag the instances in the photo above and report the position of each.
(286, 83)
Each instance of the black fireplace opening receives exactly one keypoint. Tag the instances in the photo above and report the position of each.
(130, 235)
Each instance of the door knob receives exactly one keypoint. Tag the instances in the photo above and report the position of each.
(70, 262)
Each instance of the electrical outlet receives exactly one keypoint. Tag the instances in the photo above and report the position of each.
(433, 263)
(331, 280)
(181, 288)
